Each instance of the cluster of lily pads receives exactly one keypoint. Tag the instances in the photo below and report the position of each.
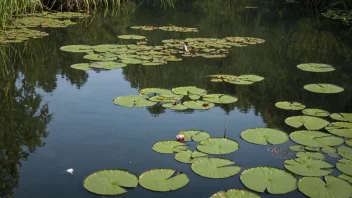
(343, 15)
(237, 80)
(19, 30)
(179, 98)
(170, 28)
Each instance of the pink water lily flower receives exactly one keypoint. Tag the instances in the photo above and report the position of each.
(180, 138)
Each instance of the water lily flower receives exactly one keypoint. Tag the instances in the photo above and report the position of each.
(180, 138)
(272, 150)
(70, 170)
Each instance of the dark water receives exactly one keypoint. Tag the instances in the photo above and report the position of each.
(53, 117)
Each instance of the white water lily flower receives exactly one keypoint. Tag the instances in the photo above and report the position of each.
(70, 170)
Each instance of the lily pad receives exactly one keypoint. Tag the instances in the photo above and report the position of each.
(163, 180)
(220, 98)
(100, 57)
(177, 107)
(274, 180)
(264, 135)
(342, 116)
(159, 91)
(235, 193)
(193, 96)
(131, 61)
(345, 166)
(346, 178)
(310, 122)
(169, 147)
(345, 152)
(308, 148)
(316, 187)
(297, 148)
(110, 182)
(343, 129)
(349, 142)
(107, 65)
(130, 101)
(323, 88)
(316, 67)
(328, 149)
(131, 37)
(195, 135)
(215, 168)
(316, 112)
(200, 105)
(218, 146)
(77, 48)
(197, 91)
(290, 105)
(313, 155)
(315, 138)
(309, 167)
(81, 66)
(189, 156)
(182, 90)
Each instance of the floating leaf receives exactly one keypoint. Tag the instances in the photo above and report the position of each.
(110, 182)
(178, 107)
(182, 90)
(311, 123)
(169, 147)
(313, 155)
(308, 167)
(316, 187)
(342, 116)
(200, 105)
(100, 57)
(132, 61)
(189, 156)
(215, 168)
(252, 78)
(193, 96)
(234, 193)
(81, 66)
(264, 135)
(163, 180)
(346, 177)
(147, 91)
(130, 101)
(345, 152)
(197, 91)
(323, 88)
(311, 148)
(275, 181)
(195, 135)
(134, 37)
(297, 148)
(349, 142)
(218, 146)
(316, 112)
(343, 129)
(328, 149)
(334, 155)
(316, 67)
(220, 98)
(345, 166)
(290, 105)
(107, 65)
(315, 138)
(77, 48)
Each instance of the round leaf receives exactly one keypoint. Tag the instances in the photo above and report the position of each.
(159, 91)
(110, 182)
(182, 90)
(313, 155)
(107, 65)
(169, 147)
(323, 88)
(252, 78)
(200, 105)
(195, 135)
(346, 177)
(189, 156)
(177, 107)
(134, 37)
(342, 116)
(81, 66)
(215, 168)
(343, 129)
(234, 193)
(163, 180)
(276, 181)
(220, 98)
(297, 148)
(264, 135)
(197, 91)
(290, 105)
(77, 48)
(316, 67)
(218, 146)
(349, 142)
(308, 167)
(345, 166)
(130, 101)
(315, 138)
(316, 112)
(328, 149)
(345, 152)
(311, 123)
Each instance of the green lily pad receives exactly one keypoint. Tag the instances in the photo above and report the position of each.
(334, 155)
(342, 116)
(345, 152)
(77, 48)
(110, 182)
(81, 66)
(346, 178)
(215, 168)
(316, 67)
(310, 122)
(159, 91)
(130, 101)
(107, 65)
(308, 148)
(333, 188)
(313, 155)
(165, 98)
(195, 135)
(132, 61)
(182, 90)
(235, 193)
(343, 129)
(193, 96)
(218, 146)
(189, 156)
(99, 57)
(274, 180)
(252, 78)
(131, 37)
(345, 166)
(264, 135)
(220, 98)
(328, 149)
(169, 147)
(316, 112)
(323, 88)
(200, 105)
(177, 107)
(163, 180)
(197, 91)
(290, 105)
(297, 148)
(309, 167)
(315, 138)
(349, 142)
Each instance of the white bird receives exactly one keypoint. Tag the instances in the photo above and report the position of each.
(70, 170)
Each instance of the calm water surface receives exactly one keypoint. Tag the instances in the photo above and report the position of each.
(55, 118)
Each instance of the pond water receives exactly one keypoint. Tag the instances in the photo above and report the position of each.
(57, 118)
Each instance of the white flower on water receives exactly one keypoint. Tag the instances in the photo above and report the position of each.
(70, 170)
